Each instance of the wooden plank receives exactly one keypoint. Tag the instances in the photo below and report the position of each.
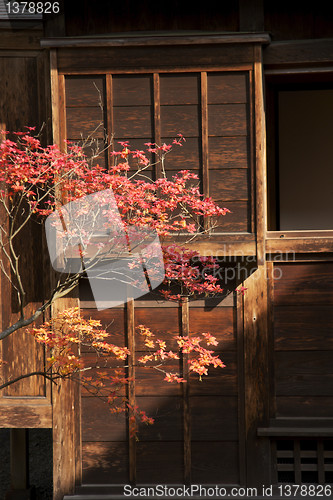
(184, 320)
(188, 39)
(133, 122)
(109, 119)
(22, 39)
(66, 408)
(132, 90)
(167, 412)
(84, 123)
(229, 185)
(160, 463)
(301, 373)
(304, 406)
(187, 156)
(180, 89)
(237, 221)
(157, 122)
(204, 138)
(228, 152)
(130, 336)
(22, 413)
(210, 421)
(303, 328)
(260, 156)
(227, 120)
(150, 382)
(240, 388)
(99, 424)
(219, 382)
(219, 322)
(227, 88)
(302, 284)
(84, 91)
(182, 119)
(55, 96)
(305, 245)
(298, 52)
(105, 463)
(256, 375)
(210, 466)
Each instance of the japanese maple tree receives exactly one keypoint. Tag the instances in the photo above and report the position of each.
(37, 181)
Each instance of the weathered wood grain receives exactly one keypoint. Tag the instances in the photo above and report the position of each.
(84, 91)
(228, 152)
(227, 88)
(104, 462)
(227, 120)
(229, 185)
(180, 89)
(132, 90)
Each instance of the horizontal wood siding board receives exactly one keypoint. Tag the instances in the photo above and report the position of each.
(84, 91)
(220, 381)
(160, 462)
(210, 466)
(214, 418)
(228, 152)
(236, 221)
(299, 328)
(187, 156)
(24, 414)
(229, 185)
(219, 322)
(227, 88)
(182, 119)
(150, 58)
(179, 89)
(150, 382)
(111, 320)
(304, 373)
(99, 424)
(163, 322)
(132, 90)
(104, 462)
(83, 122)
(310, 283)
(167, 415)
(304, 406)
(298, 52)
(227, 120)
(132, 122)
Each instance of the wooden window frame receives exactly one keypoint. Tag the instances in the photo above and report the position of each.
(279, 241)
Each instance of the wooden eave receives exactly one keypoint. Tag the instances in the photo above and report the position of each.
(154, 39)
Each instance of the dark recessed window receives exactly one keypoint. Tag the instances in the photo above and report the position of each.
(300, 158)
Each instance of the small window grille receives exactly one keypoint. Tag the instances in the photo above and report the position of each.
(299, 461)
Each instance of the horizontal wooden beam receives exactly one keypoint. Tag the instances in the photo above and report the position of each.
(198, 38)
(299, 245)
(295, 431)
(299, 52)
(25, 416)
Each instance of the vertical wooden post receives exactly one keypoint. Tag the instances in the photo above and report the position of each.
(131, 388)
(256, 356)
(157, 119)
(66, 394)
(184, 324)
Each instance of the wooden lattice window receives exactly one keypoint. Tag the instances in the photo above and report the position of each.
(299, 461)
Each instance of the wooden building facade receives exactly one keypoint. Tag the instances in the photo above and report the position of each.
(250, 86)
